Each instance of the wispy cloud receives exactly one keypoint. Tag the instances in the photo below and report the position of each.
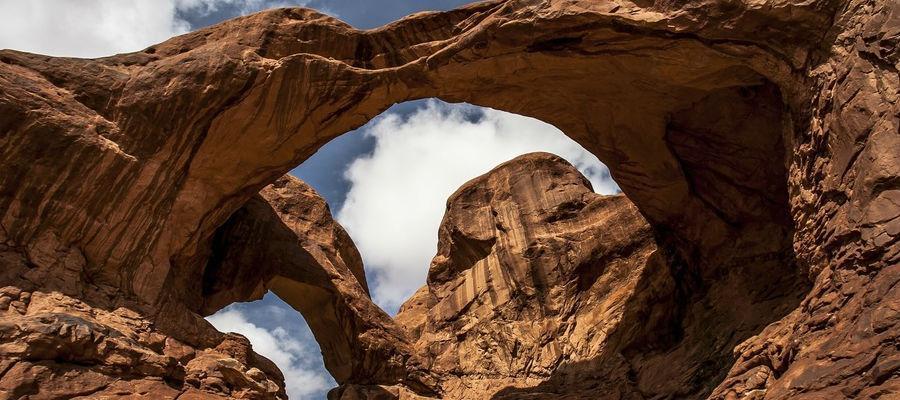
(398, 193)
(296, 359)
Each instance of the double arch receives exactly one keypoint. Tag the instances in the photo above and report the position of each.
(701, 113)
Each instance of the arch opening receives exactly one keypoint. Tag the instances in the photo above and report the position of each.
(429, 128)
(722, 223)
(695, 137)
(392, 192)
(277, 332)
(693, 125)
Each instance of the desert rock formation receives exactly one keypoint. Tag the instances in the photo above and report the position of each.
(534, 271)
(54, 346)
(542, 288)
(283, 239)
(759, 140)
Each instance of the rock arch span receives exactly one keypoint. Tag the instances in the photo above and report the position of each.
(753, 137)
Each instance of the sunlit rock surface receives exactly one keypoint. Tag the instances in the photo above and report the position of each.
(285, 240)
(535, 273)
(54, 346)
(758, 139)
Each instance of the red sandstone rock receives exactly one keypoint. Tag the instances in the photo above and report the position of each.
(534, 275)
(284, 240)
(757, 138)
(56, 346)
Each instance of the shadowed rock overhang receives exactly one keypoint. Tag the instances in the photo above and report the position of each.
(757, 139)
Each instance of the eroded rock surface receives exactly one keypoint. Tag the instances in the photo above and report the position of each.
(757, 138)
(534, 272)
(542, 288)
(53, 346)
(285, 240)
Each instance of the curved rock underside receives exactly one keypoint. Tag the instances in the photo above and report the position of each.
(757, 140)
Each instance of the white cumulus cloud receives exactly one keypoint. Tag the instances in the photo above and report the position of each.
(295, 358)
(90, 28)
(98, 28)
(399, 192)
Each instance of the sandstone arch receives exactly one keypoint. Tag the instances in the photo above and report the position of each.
(284, 240)
(185, 132)
(260, 82)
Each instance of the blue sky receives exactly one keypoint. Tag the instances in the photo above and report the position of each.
(361, 14)
(386, 182)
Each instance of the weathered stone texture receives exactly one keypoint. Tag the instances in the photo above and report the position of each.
(534, 271)
(758, 139)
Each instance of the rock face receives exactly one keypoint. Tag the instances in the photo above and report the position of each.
(53, 346)
(757, 138)
(542, 288)
(283, 239)
(534, 271)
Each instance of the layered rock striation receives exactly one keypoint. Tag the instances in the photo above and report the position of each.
(60, 339)
(542, 289)
(285, 240)
(54, 346)
(758, 139)
(535, 274)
